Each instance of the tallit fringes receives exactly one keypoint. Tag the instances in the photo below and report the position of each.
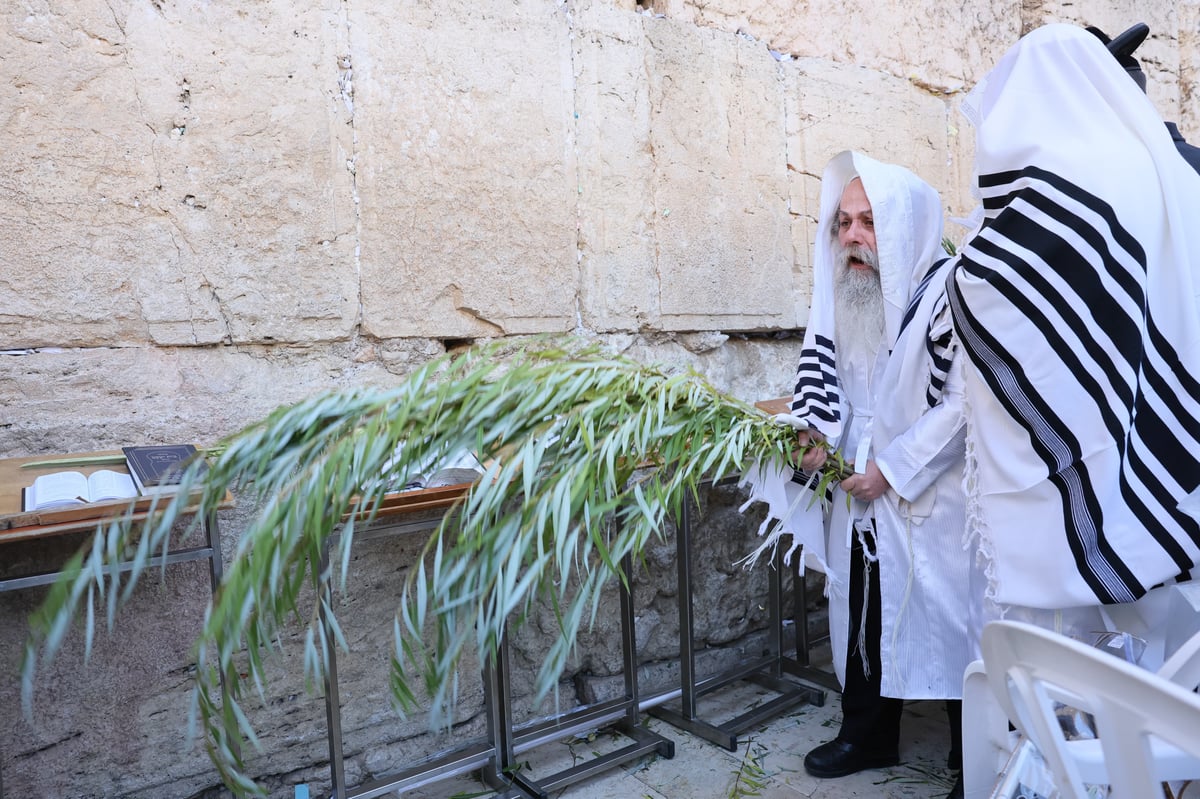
(773, 527)
(862, 622)
(976, 536)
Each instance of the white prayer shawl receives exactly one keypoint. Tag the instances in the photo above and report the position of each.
(918, 439)
(908, 226)
(1076, 304)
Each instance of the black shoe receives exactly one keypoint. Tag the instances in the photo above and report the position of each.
(839, 758)
(957, 791)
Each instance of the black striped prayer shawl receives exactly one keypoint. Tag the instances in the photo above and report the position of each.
(1075, 302)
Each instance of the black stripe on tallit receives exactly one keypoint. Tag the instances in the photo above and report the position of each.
(1082, 512)
(937, 349)
(1155, 433)
(1109, 580)
(919, 292)
(1166, 449)
(1172, 437)
(1032, 307)
(1183, 419)
(1153, 444)
(1123, 331)
(1098, 241)
(1079, 273)
(940, 358)
(815, 394)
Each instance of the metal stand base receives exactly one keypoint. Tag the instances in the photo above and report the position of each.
(725, 734)
(496, 758)
(624, 711)
(644, 742)
(766, 671)
(483, 757)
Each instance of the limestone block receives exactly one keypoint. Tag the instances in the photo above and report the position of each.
(722, 228)
(958, 197)
(59, 401)
(747, 368)
(939, 45)
(1189, 70)
(617, 220)
(466, 180)
(891, 119)
(95, 399)
(178, 177)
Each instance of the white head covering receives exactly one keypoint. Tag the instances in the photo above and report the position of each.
(1076, 304)
(908, 234)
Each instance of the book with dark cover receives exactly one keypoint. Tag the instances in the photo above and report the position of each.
(157, 468)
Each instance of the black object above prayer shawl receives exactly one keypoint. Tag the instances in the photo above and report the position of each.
(1075, 301)
(1122, 49)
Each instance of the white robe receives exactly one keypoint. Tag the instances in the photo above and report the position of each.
(919, 527)
(924, 569)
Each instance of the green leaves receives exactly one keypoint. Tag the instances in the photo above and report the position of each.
(573, 442)
(752, 776)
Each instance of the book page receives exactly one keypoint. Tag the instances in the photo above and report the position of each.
(403, 481)
(455, 469)
(58, 490)
(461, 467)
(107, 485)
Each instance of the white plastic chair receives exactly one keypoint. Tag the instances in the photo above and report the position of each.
(1183, 666)
(1148, 727)
(988, 744)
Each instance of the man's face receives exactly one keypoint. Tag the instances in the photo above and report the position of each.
(855, 225)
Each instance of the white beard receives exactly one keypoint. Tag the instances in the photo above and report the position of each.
(858, 307)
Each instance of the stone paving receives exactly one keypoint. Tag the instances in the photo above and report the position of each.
(768, 763)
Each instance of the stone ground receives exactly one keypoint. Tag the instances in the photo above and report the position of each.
(767, 765)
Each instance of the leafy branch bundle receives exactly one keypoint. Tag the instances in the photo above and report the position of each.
(565, 498)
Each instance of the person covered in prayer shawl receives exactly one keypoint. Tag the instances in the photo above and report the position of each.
(1122, 49)
(881, 385)
(1074, 302)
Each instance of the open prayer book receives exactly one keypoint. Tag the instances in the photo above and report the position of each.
(66, 489)
(454, 469)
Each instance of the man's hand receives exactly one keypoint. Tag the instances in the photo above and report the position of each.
(868, 486)
(814, 457)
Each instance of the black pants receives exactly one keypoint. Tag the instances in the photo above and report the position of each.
(868, 719)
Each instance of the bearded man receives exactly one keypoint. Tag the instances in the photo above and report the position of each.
(878, 381)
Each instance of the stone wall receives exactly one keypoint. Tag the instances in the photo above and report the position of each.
(213, 209)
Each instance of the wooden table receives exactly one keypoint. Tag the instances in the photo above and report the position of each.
(20, 525)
